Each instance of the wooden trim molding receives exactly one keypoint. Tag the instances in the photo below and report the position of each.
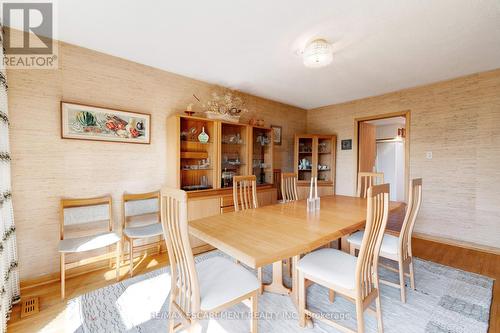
(355, 139)
(458, 243)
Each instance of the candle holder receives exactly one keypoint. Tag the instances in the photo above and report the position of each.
(317, 203)
(311, 204)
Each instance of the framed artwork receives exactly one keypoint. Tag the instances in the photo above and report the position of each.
(346, 144)
(276, 134)
(85, 122)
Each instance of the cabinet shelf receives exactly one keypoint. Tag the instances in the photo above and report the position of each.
(196, 141)
(233, 165)
(194, 154)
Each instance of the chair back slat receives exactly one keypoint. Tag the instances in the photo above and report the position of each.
(414, 203)
(245, 192)
(376, 221)
(367, 180)
(88, 211)
(185, 288)
(289, 187)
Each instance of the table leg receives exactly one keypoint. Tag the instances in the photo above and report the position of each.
(295, 285)
(277, 285)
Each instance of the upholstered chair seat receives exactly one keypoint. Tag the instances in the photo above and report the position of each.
(88, 243)
(221, 281)
(389, 248)
(145, 231)
(332, 266)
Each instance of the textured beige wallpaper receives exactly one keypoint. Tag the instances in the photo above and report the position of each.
(46, 168)
(459, 121)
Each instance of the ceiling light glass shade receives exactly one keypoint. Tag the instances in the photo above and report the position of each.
(317, 54)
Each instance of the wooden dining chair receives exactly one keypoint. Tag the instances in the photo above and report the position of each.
(289, 193)
(355, 278)
(245, 192)
(91, 223)
(245, 197)
(367, 179)
(207, 287)
(289, 187)
(398, 248)
(141, 220)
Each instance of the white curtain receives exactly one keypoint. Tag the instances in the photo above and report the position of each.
(9, 276)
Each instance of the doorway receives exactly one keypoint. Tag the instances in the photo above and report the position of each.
(383, 146)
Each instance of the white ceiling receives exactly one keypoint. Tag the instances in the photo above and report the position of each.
(380, 45)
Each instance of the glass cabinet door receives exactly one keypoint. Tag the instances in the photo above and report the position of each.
(325, 159)
(262, 155)
(196, 154)
(233, 150)
(305, 159)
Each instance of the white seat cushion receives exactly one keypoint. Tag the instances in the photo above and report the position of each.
(330, 265)
(222, 281)
(87, 243)
(144, 231)
(389, 247)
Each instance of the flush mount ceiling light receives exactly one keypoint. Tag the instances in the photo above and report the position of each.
(318, 53)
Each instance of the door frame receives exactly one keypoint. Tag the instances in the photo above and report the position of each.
(407, 115)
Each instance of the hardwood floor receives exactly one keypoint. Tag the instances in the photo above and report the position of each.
(52, 309)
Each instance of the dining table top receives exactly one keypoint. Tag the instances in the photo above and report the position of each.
(261, 236)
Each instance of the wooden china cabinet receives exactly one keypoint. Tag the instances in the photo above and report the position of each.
(205, 169)
(315, 156)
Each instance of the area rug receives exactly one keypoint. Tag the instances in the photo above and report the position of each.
(446, 300)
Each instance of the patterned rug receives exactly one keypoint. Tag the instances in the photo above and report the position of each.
(446, 300)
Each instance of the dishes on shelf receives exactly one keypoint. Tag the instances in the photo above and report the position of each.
(263, 139)
(232, 139)
(305, 164)
(196, 187)
(258, 164)
(227, 178)
(323, 148)
(203, 164)
(305, 149)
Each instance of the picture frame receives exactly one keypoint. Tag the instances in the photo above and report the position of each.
(277, 132)
(96, 123)
(346, 144)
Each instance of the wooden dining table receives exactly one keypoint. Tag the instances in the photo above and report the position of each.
(269, 234)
